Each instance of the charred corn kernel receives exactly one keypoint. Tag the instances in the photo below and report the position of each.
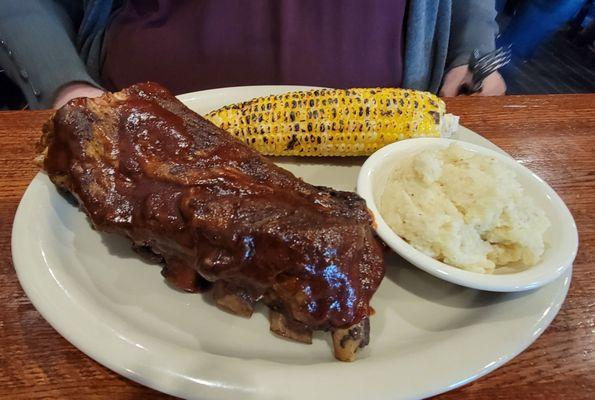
(332, 122)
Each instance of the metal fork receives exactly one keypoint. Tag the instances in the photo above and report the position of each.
(483, 66)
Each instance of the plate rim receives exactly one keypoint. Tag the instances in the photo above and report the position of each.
(164, 385)
(21, 254)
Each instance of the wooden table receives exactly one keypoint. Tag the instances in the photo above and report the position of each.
(552, 135)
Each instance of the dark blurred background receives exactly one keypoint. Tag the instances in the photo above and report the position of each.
(553, 44)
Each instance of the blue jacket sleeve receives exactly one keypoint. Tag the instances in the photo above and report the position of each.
(473, 26)
(37, 49)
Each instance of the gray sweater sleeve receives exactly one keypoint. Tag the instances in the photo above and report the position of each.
(37, 50)
(473, 26)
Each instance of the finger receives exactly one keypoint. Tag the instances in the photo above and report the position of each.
(450, 90)
(453, 81)
(494, 85)
(491, 89)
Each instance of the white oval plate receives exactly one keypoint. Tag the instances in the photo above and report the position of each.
(561, 238)
(427, 336)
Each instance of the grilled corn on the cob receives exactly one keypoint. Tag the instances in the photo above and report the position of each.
(332, 122)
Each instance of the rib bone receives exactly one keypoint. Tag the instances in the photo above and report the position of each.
(280, 326)
(347, 341)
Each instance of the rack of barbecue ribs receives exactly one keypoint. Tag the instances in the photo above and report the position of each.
(217, 214)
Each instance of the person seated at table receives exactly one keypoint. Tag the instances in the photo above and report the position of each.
(58, 50)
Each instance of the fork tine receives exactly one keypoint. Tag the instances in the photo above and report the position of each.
(493, 56)
(503, 58)
(483, 66)
(493, 66)
(497, 52)
(480, 75)
(501, 50)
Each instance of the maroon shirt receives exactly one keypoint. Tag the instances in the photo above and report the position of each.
(190, 45)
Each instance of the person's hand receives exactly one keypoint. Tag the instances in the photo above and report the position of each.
(73, 90)
(493, 84)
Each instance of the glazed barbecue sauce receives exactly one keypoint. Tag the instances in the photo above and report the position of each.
(144, 166)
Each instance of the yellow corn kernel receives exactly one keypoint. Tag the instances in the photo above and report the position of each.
(332, 122)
